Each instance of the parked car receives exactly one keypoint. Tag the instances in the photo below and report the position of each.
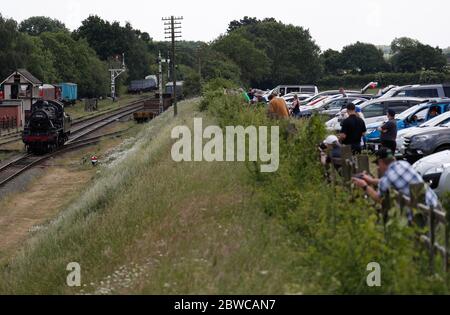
(376, 110)
(401, 134)
(325, 94)
(282, 90)
(411, 117)
(330, 105)
(422, 91)
(426, 142)
(289, 98)
(435, 170)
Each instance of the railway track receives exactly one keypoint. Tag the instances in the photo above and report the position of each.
(24, 162)
(79, 124)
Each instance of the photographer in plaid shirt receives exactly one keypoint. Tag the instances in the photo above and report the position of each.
(393, 174)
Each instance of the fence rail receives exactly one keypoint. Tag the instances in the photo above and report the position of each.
(8, 123)
(436, 219)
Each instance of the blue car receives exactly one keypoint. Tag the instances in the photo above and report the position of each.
(411, 117)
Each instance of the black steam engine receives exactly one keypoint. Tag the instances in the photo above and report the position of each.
(47, 127)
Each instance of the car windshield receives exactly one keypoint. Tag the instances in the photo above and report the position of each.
(436, 120)
(405, 114)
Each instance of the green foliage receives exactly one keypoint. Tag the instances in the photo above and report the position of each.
(411, 56)
(253, 62)
(336, 232)
(363, 58)
(37, 25)
(112, 39)
(383, 78)
(332, 61)
(192, 84)
(213, 91)
(52, 57)
(293, 56)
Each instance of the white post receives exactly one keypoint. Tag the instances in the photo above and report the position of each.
(161, 105)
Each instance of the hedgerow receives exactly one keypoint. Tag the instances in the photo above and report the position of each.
(336, 233)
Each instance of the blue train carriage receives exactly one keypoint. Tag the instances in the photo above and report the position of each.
(179, 89)
(69, 93)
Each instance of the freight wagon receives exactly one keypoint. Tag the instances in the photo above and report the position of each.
(151, 108)
(139, 86)
(179, 89)
(68, 93)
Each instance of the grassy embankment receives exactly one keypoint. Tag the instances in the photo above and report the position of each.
(149, 225)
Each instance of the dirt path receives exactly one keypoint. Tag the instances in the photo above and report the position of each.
(22, 213)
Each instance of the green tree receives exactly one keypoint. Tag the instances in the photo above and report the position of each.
(293, 56)
(253, 62)
(363, 58)
(332, 60)
(411, 56)
(111, 39)
(37, 25)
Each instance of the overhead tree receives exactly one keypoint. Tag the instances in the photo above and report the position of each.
(333, 63)
(37, 25)
(253, 62)
(363, 58)
(293, 56)
(411, 55)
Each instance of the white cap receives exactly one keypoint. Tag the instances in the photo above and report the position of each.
(331, 139)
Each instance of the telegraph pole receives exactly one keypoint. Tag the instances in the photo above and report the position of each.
(160, 79)
(114, 74)
(173, 29)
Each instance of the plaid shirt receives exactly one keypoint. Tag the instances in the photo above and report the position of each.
(399, 176)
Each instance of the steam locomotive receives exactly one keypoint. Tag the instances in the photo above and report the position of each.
(47, 127)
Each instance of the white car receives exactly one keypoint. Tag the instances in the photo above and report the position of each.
(435, 170)
(376, 110)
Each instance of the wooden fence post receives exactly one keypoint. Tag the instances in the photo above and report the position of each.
(446, 241)
(432, 236)
(362, 164)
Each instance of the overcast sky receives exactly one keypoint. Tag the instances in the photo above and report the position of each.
(332, 23)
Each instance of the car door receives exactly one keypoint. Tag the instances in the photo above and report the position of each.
(398, 106)
(374, 112)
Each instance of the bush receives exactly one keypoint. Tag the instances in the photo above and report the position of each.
(384, 79)
(335, 233)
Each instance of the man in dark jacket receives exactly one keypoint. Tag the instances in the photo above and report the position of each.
(389, 132)
(353, 129)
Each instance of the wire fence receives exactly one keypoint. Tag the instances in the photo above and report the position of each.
(431, 220)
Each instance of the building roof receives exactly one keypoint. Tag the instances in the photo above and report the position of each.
(27, 75)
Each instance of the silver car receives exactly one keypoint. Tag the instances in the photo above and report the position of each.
(435, 170)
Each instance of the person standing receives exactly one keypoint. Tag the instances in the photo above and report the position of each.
(296, 106)
(389, 132)
(353, 129)
(277, 107)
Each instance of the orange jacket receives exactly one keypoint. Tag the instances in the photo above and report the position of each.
(278, 108)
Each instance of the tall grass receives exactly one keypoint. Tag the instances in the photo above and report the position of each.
(150, 225)
(336, 233)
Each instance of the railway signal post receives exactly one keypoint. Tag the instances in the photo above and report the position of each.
(114, 75)
(173, 29)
